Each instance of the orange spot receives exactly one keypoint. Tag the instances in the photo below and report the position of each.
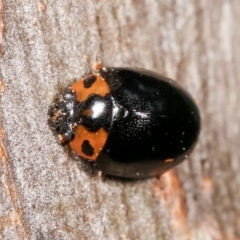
(96, 139)
(42, 7)
(169, 160)
(168, 188)
(98, 66)
(99, 87)
(207, 184)
(2, 86)
(61, 138)
(87, 112)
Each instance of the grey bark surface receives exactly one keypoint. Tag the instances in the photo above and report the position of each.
(47, 192)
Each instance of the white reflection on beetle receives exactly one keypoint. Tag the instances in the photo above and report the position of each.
(97, 109)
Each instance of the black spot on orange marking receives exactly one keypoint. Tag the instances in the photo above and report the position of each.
(88, 81)
(96, 140)
(99, 87)
(87, 149)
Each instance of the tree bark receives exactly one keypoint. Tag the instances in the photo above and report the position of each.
(46, 191)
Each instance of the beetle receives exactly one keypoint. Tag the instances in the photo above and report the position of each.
(133, 123)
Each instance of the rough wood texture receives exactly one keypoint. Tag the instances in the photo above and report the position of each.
(46, 192)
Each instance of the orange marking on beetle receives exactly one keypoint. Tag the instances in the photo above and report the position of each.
(96, 139)
(169, 160)
(99, 87)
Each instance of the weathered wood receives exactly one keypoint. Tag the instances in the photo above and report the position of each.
(46, 192)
